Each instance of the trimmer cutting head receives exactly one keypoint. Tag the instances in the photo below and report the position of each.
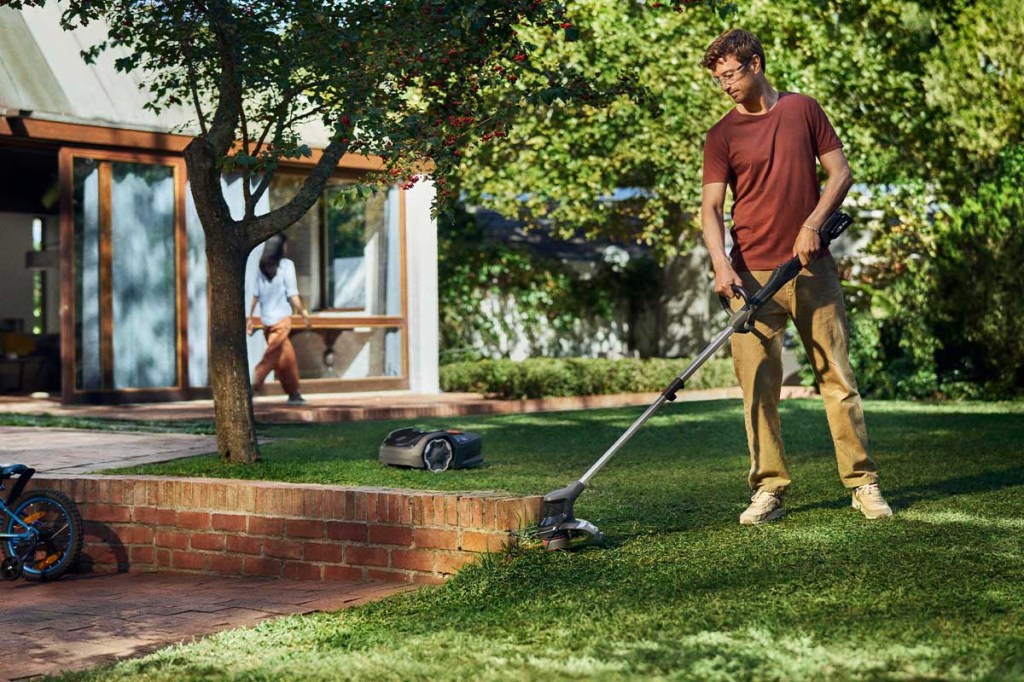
(558, 524)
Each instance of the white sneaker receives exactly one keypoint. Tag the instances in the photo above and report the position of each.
(764, 507)
(868, 499)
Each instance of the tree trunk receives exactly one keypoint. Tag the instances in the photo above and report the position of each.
(229, 364)
(227, 249)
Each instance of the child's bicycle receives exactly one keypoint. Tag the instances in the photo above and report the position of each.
(43, 532)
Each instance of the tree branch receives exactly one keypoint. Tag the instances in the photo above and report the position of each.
(265, 226)
(193, 85)
(229, 89)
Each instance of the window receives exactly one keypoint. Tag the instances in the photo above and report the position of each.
(347, 255)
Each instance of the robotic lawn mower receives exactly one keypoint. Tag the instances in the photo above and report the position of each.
(435, 451)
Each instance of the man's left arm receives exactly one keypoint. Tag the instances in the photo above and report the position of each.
(836, 186)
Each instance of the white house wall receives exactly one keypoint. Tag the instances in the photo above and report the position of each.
(421, 301)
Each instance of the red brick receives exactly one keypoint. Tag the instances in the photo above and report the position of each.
(412, 560)
(435, 516)
(366, 556)
(108, 513)
(173, 539)
(451, 562)
(261, 566)
(334, 504)
(101, 491)
(388, 576)
(515, 513)
(100, 531)
(224, 564)
(343, 530)
(305, 528)
(483, 542)
(344, 573)
(166, 517)
(244, 544)
(208, 541)
(235, 523)
(163, 558)
(372, 501)
(471, 512)
(323, 551)
(357, 506)
(282, 549)
(142, 555)
(145, 515)
(390, 535)
(135, 535)
(418, 504)
(438, 539)
(105, 554)
(427, 579)
(266, 525)
(187, 561)
(194, 520)
(395, 502)
(451, 511)
(300, 570)
(313, 503)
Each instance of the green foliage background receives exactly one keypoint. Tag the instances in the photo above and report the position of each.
(540, 377)
(547, 292)
(927, 97)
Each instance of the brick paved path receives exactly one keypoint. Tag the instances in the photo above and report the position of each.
(84, 621)
(80, 451)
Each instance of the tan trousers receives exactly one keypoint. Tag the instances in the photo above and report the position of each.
(279, 357)
(814, 299)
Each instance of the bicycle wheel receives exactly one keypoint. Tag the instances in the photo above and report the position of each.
(59, 523)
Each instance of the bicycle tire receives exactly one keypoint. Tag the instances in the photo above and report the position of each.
(63, 532)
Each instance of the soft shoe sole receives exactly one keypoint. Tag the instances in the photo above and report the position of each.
(772, 516)
(879, 515)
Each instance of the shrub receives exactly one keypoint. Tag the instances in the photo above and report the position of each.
(937, 310)
(544, 377)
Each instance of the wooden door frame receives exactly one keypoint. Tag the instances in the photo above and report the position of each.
(69, 390)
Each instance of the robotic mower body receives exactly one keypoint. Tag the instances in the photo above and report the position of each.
(433, 450)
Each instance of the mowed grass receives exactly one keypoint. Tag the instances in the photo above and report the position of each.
(680, 591)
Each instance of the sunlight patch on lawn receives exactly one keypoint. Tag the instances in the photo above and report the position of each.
(761, 654)
(453, 655)
(948, 517)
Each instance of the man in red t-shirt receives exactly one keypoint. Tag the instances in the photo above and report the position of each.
(764, 150)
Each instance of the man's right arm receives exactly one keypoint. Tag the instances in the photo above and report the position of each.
(712, 220)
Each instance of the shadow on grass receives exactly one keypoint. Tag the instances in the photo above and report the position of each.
(905, 497)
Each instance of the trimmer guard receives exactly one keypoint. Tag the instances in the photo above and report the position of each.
(558, 524)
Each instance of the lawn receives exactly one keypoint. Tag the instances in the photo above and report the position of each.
(680, 591)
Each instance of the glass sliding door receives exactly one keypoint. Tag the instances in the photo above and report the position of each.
(125, 221)
(143, 281)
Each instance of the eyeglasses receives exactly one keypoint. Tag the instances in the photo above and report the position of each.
(729, 76)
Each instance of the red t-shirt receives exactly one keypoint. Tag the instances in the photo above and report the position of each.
(769, 163)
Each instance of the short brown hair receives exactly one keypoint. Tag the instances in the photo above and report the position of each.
(736, 42)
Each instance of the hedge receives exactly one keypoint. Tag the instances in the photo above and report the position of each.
(542, 377)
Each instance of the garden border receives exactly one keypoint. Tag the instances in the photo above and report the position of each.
(287, 530)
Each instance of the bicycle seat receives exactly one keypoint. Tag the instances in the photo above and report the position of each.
(8, 470)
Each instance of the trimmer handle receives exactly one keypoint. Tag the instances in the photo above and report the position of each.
(743, 319)
(738, 290)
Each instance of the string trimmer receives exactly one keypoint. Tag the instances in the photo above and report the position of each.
(558, 523)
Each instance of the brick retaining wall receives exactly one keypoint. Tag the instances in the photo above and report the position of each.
(283, 530)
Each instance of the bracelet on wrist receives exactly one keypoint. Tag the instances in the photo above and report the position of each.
(815, 230)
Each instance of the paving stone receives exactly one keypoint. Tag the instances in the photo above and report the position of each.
(153, 610)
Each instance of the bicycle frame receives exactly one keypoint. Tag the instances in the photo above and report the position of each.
(24, 475)
(14, 536)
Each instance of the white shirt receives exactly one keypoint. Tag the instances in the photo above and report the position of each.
(273, 294)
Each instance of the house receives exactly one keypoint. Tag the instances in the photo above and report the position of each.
(103, 286)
